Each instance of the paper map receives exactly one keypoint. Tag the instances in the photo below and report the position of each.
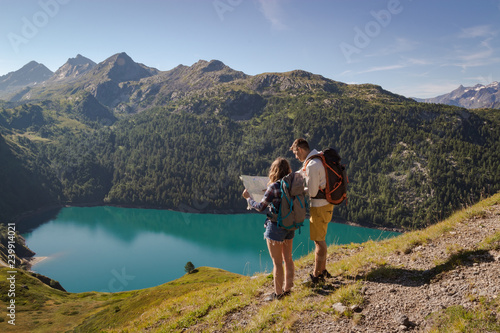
(256, 186)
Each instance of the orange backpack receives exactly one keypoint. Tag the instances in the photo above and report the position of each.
(335, 191)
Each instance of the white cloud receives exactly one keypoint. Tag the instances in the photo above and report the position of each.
(345, 72)
(273, 12)
(475, 57)
(401, 45)
(484, 80)
(429, 90)
(482, 55)
(420, 62)
(478, 62)
(381, 69)
(478, 31)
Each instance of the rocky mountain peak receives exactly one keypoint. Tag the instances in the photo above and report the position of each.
(30, 74)
(214, 65)
(79, 60)
(120, 68)
(74, 67)
(204, 73)
(204, 66)
(30, 65)
(120, 59)
(495, 85)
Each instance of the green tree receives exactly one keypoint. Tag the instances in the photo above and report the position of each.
(189, 268)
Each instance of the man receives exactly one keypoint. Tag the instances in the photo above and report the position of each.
(321, 210)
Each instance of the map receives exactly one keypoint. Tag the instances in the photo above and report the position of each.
(256, 186)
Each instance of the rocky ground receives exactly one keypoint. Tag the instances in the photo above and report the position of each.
(404, 299)
(418, 283)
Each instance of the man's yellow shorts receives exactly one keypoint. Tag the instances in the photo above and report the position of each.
(318, 223)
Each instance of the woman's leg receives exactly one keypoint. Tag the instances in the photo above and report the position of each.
(275, 250)
(289, 265)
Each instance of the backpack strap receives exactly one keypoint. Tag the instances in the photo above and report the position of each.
(289, 200)
(310, 159)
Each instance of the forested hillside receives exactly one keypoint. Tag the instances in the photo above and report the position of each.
(409, 164)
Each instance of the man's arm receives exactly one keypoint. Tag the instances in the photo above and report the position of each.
(313, 175)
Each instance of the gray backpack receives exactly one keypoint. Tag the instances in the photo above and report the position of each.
(292, 211)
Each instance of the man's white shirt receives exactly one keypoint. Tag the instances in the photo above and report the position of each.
(314, 174)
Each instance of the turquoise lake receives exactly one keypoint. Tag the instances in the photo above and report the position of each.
(116, 249)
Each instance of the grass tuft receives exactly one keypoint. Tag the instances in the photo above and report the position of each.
(459, 319)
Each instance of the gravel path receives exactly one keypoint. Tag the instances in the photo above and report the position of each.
(402, 299)
(415, 284)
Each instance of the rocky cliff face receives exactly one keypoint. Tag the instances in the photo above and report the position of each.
(104, 80)
(176, 83)
(88, 107)
(73, 68)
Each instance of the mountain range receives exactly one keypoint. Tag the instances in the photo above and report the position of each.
(119, 132)
(476, 97)
(109, 82)
(124, 87)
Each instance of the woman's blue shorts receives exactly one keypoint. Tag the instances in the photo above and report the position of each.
(277, 234)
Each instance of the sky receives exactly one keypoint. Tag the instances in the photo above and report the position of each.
(415, 48)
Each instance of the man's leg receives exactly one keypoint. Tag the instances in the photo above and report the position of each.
(320, 255)
(320, 217)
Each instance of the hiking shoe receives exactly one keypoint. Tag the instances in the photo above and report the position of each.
(326, 274)
(286, 293)
(315, 279)
(272, 297)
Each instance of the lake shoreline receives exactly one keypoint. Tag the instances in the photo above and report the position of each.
(92, 248)
(32, 261)
(23, 218)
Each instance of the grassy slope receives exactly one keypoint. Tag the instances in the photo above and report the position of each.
(40, 308)
(206, 300)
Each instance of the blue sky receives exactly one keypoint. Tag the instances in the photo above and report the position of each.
(416, 48)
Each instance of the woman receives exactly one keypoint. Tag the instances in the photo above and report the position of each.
(279, 240)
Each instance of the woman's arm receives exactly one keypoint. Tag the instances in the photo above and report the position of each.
(270, 194)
